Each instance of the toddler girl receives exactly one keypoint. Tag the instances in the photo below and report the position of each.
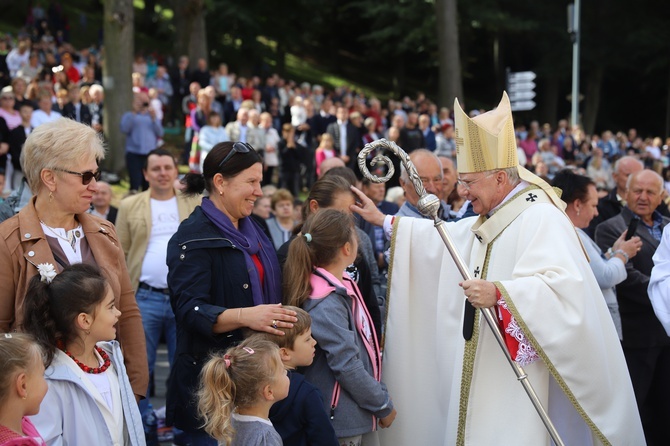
(73, 318)
(324, 151)
(237, 390)
(22, 388)
(347, 364)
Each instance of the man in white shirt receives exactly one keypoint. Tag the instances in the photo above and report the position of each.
(145, 223)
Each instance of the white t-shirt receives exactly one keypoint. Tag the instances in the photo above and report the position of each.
(164, 223)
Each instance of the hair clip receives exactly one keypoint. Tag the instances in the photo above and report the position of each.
(308, 236)
(248, 350)
(47, 272)
(226, 360)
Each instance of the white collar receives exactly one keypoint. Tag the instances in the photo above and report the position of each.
(519, 187)
(248, 418)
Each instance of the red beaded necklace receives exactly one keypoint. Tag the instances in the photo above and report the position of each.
(105, 365)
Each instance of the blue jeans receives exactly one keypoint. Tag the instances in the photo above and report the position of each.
(157, 318)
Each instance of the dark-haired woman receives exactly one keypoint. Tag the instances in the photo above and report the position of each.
(581, 196)
(223, 276)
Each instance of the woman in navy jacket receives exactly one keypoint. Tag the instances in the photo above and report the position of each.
(223, 276)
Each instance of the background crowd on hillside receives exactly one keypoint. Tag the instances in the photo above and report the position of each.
(295, 132)
(40, 69)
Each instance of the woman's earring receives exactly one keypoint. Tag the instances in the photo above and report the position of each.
(220, 192)
(51, 196)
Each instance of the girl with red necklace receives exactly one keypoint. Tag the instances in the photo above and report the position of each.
(89, 399)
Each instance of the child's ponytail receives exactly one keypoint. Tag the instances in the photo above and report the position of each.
(38, 320)
(216, 398)
(234, 380)
(298, 269)
(323, 234)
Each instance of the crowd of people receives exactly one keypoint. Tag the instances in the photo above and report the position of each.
(244, 280)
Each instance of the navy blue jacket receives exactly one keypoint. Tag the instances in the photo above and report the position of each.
(300, 418)
(207, 275)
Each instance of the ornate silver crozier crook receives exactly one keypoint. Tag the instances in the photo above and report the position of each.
(429, 205)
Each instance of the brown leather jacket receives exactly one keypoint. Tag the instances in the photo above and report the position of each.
(23, 246)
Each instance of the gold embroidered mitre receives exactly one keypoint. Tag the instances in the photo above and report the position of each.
(487, 141)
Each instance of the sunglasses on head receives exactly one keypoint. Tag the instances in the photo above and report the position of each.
(86, 177)
(238, 147)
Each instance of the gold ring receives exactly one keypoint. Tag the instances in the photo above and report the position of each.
(274, 323)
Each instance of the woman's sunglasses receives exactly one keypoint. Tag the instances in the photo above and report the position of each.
(86, 177)
(238, 147)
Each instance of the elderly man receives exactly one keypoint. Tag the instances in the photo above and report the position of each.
(330, 163)
(645, 342)
(243, 130)
(449, 177)
(429, 168)
(101, 204)
(611, 204)
(529, 267)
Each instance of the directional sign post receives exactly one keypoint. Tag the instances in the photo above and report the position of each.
(521, 90)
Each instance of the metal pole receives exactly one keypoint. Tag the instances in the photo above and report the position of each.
(576, 36)
(428, 205)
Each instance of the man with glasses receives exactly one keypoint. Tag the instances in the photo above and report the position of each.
(529, 268)
(429, 168)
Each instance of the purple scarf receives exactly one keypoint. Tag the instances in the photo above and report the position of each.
(251, 240)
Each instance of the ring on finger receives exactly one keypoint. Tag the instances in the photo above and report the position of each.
(274, 323)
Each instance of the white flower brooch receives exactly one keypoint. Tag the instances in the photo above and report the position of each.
(47, 272)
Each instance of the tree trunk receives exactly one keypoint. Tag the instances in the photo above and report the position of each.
(149, 26)
(451, 82)
(119, 33)
(190, 33)
(280, 55)
(198, 42)
(594, 84)
(398, 77)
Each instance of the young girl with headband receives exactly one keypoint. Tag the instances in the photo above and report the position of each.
(347, 364)
(22, 388)
(72, 316)
(237, 390)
